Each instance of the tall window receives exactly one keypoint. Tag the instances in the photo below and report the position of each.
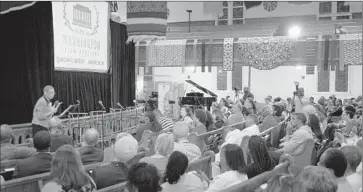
(237, 12)
(232, 12)
(325, 8)
(223, 19)
(342, 8)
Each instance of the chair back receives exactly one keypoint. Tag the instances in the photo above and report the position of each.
(303, 158)
(33, 183)
(7, 164)
(120, 187)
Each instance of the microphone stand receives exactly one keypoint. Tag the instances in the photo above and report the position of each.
(102, 121)
(78, 124)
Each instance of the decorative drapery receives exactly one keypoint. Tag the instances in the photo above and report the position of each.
(228, 54)
(166, 53)
(351, 49)
(265, 53)
(9, 6)
(146, 20)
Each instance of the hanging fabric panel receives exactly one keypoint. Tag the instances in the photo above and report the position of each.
(166, 53)
(146, 20)
(228, 54)
(221, 79)
(351, 45)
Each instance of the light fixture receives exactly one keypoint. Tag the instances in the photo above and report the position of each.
(299, 67)
(294, 31)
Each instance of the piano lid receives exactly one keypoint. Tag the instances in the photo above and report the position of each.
(201, 88)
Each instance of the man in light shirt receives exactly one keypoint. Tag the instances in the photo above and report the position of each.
(182, 144)
(354, 157)
(300, 100)
(294, 141)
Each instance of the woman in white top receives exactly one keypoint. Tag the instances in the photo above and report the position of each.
(177, 180)
(186, 114)
(233, 169)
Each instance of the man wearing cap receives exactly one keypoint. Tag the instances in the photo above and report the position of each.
(39, 162)
(126, 148)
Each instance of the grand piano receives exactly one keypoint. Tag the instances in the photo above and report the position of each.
(197, 99)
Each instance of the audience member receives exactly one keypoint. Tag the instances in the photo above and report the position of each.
(250, 105)
(186, 114)
(262, 159)
(39, 162)
(329, 142)
(354, 158)
(232, 166)
(109, 152)
(348, 117)
(236, 116)
(126, 149)
(317, 179)
(182, 144)
(335, 160)
(177, 179)
(88, 151)
(199, 119)
(144, 178)
(219, 118)
(268, 119)
(165, 122)
(151, 124)
(247, 94)
(300, 100)
(10, 151)
(223, 105)
(302, 133)
(59, 138)
(210, 121)
(164, 146)
(311, 101)
(313, 123)
(67, 173)
(282, 182)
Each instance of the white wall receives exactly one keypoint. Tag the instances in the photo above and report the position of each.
(283, 9)
(276, 82)
(178, 11)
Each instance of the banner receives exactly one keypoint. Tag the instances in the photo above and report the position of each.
(81, 36)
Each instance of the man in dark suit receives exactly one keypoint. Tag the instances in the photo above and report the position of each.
(39, 162)
(44, 110)
(88, 151)
(57, 134)
(126, 149)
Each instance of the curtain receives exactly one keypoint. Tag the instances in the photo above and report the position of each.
(87, 87)
(122, 66)
(26, 46)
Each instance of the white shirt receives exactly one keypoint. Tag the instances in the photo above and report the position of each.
(226, 180)
(188, 182)
(236, 136)
(300, 104)
(189, 149)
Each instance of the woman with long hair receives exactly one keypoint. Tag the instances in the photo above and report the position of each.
(67, 173)
(143, 177)
(223, 105)
(233, 169)
(314, 124)
(329, 142)
(262, 160)
(150, 124)
(186, 115)
(177, 179)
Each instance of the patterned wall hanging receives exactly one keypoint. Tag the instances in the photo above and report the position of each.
(351, 49)
(228, 54)
(166, 53)
(323, 78)
(265, 53)
(341, 80)
(269, 5)
(221, 79)
(237, 77)
(146, 20)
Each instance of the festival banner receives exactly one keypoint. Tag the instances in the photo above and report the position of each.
(81, 36)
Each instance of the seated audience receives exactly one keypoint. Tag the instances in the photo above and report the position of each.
(313, 123)
(58, 136)
(329, 141)
(151, 124)
(236, 116)
(210, 121)
(39, 162)
(335, 160)
(67, 173)
(182, 144)
(268, 119)
(109, 152)
(143, 177)
(282, 182)
(262, 159)
(354, 158)
(278, 110)
(10, 151)
(88, 151)
(164, 145)
(199, 119)
(232, 166)
(348, 117)
(317, 179)
(176, 178)
(295, 142)
(165, 122)
(186, 114)
(126, 148)
(219, 118)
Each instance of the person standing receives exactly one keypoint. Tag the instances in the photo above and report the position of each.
(44, 110)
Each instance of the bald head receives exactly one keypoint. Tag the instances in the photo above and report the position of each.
(181, 130)
(6, 133)
(90, 137)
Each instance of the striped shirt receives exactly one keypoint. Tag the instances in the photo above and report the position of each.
(165, 123)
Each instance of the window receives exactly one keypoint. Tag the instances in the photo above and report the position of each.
(357, 15)
(325, 8)
(342, 8)
(223, 19)
(343, 17)
(237, 12)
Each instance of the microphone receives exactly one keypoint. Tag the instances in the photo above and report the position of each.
(119, 104)
(103, 107)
